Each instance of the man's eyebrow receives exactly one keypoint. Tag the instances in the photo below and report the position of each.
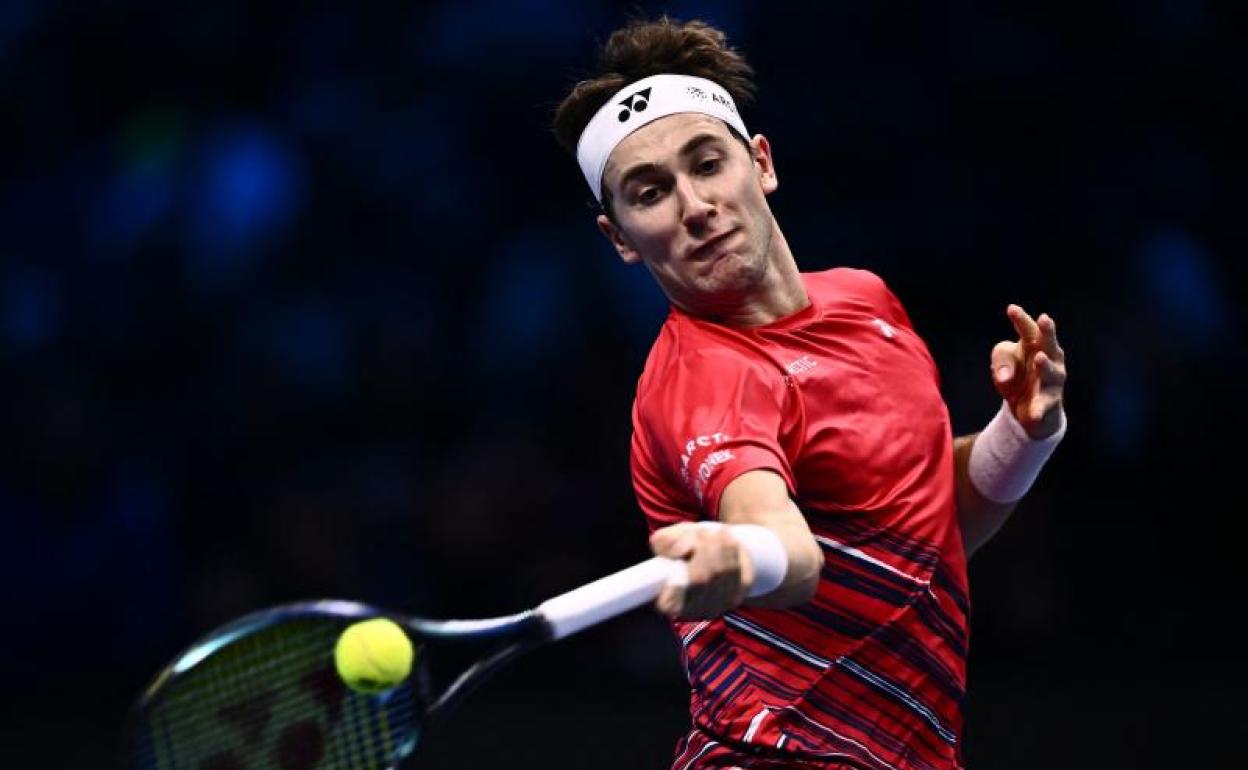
(688, 148)
(636, 171)
(694, 144)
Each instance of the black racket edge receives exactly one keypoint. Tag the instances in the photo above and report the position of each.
(473, 677)
(522, 632)
(517, 634)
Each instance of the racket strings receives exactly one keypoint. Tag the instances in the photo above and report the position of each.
(229, 702)
(301, 741)
(235, 692)
(247, 666)
(273, 699)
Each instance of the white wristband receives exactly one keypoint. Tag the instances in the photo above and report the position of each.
(771, 561)
(1005, 461)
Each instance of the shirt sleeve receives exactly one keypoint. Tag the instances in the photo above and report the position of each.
(714, 416)
(900, 317)
(896, 309)
(881, 297)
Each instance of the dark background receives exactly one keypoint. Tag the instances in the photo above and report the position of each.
(302, 299)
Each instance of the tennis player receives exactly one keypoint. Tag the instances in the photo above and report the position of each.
(805, 403)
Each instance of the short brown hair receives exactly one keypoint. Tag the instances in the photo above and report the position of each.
(645, 48)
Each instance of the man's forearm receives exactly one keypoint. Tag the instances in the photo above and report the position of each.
(761, 497)
(978, 517)
(805, 560)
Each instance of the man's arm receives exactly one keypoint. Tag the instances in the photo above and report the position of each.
(1030, 376)
(979, 517)
(720, 572)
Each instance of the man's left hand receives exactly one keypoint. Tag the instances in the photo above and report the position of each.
(1031, 374)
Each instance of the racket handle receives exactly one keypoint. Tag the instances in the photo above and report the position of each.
(641, 583)
(610, 596)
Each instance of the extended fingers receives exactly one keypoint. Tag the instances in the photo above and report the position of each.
(1028, 330)
(1048, 337)
(1049, 371)
(1040, 333)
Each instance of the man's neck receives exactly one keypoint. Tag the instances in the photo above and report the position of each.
(781, 293)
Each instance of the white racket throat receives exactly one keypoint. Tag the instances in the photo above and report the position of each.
(632, 587)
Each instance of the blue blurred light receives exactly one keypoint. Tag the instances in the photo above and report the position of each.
(309, 342)
(144, 190)
(1173, 21)
(462, 31)
(1122, 406)
(726, 14)
(1182, 287)
(137, 199)
(637, 299)
(328, 108)
(141, 498)
(16, 18)
(31, 308)
(525, 309)
(248, 188)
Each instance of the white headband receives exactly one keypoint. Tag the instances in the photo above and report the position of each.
(644, 101)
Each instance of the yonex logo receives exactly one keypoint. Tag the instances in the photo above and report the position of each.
(635, 103)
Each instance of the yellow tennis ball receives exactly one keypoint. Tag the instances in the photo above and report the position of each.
(373, 655)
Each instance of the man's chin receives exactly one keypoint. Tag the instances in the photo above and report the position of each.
(732, 273)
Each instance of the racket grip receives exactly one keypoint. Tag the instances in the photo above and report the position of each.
(610, 596)
(641, 583)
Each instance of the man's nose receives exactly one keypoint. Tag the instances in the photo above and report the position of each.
(696, 205)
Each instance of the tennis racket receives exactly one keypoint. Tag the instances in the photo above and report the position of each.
(262, 691)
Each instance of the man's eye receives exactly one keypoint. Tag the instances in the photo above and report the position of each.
(708, 166)
(648, 195)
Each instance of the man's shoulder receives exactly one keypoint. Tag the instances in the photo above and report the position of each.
(687, 354)
(839, 280)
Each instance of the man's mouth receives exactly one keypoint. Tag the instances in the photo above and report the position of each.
(711, 247)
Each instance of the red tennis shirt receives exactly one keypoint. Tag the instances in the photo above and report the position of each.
(842, 400)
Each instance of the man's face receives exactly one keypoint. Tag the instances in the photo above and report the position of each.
(689, 202)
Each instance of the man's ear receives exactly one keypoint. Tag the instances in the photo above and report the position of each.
(618, 239)
(760, 148)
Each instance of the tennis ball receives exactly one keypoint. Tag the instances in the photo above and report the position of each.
(373, 655)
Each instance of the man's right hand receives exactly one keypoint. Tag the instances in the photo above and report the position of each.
(720, 571)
